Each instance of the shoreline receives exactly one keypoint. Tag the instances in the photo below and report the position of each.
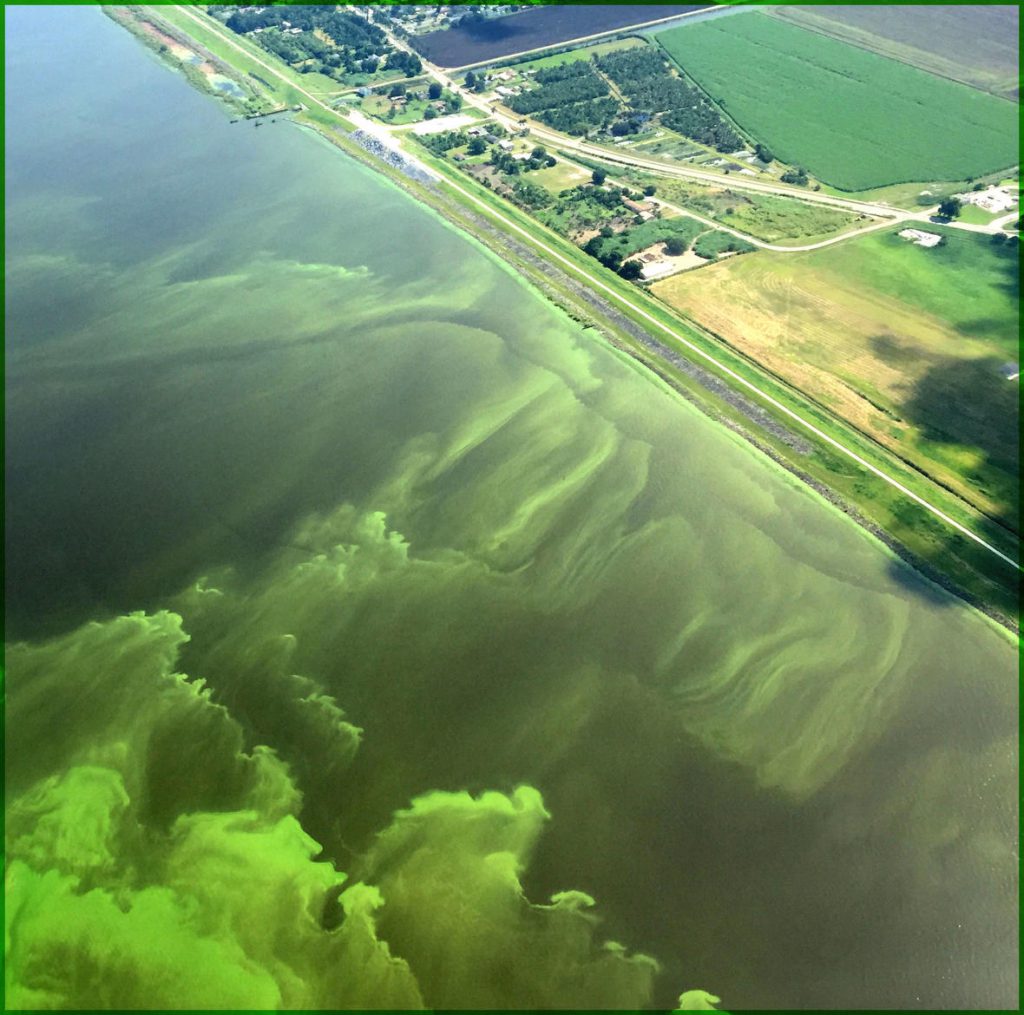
(640, 345)
(496, 242)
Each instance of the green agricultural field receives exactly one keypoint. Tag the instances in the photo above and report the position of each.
(854, 119)
(973, 43)
(910, 344)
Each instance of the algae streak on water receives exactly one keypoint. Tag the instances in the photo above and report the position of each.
(380, 638)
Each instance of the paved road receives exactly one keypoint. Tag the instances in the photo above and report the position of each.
(597, 284)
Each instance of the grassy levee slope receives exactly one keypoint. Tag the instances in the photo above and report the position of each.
(904, 342)
(934, 544)
(852, 118)
(931, 541)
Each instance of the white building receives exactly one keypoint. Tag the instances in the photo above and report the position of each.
(994, 199)
(920, 237)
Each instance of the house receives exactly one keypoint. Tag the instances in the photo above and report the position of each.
(362, 92)
(521, 157)
(475, 131)
(505, 145)
(505, 75)
(503, 91)
(640, 207)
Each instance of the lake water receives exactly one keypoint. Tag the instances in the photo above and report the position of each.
(539, 656)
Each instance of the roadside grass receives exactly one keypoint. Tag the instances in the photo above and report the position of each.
(915, 196)
(572, 55)
(974, 215)
(321, 85)
(905, 343)
(852, 118)
(670, 146)
(773, 219)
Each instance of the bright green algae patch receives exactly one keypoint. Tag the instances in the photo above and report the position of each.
(852, 118)
(385, 640)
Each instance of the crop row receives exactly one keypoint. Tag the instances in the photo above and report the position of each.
(853, 118)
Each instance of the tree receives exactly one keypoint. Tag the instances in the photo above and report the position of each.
(598, 176)
(650, 190)
(429, 113)
(764, 153)
(397, 90)
(434, 91)
(797, 175)
(477, 146)
(539, 152)
(950, 208)
(631, 270)
(674, 246)
(607, 232)
(470, 79)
